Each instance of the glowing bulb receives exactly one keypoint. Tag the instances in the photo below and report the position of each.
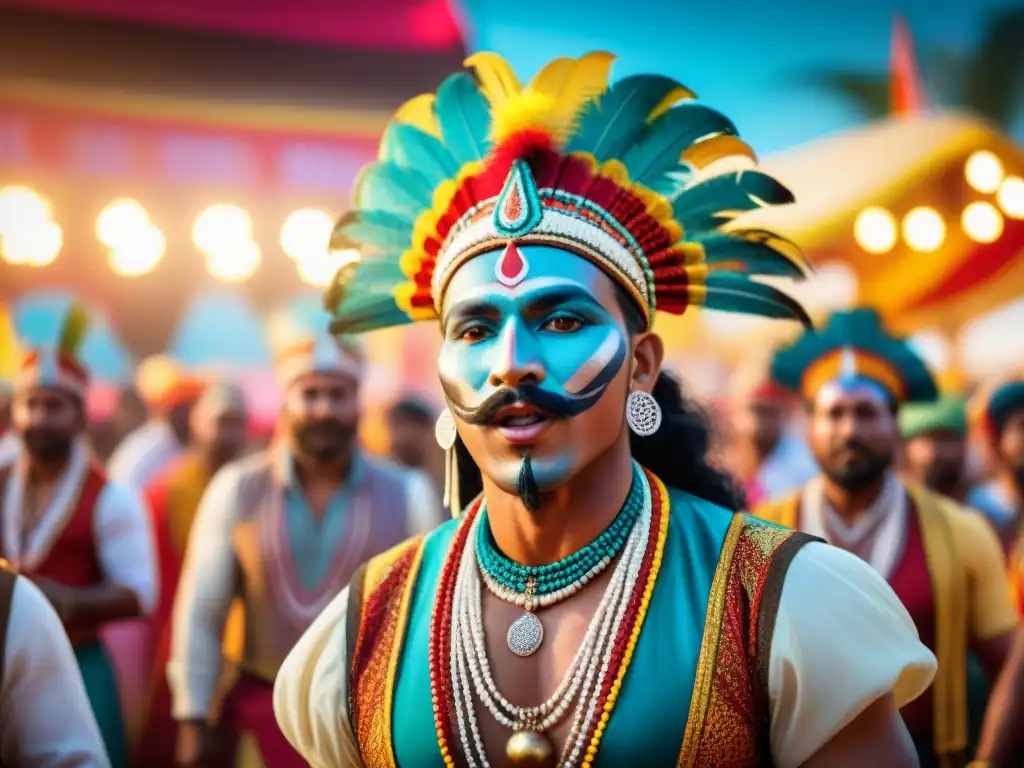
(924, 230)
(236, 264)
(120, 222)
(222, 228)
(307, 233)
(984, 171)
(36, 245)
(982, 222)
(875, 230)
(1011, 197)
(140, 254)
(320, 271)
(21, 208)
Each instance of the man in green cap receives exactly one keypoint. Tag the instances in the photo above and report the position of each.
(935, 446)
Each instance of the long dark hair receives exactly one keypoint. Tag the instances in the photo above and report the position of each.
(677, 453)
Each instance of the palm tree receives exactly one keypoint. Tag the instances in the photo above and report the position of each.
(988, 81)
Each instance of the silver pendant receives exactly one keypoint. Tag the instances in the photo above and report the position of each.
(525, 635)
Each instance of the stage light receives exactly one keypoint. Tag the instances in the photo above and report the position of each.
(924, 230)
(319, 271)
(120, 222)
(306, 233)
(875, 230)
(1011, 197)
(140, 254)
(984, 171)
(222, 228)
(236, 264)
(21, 208)
(982, 222)
(35, 245)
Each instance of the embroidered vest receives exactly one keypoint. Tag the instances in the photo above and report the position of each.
(73, 556)
(931, 581)
(277, 609)
(725, 678)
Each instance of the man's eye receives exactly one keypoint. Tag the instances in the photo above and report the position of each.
(563, 324)
(474, 333)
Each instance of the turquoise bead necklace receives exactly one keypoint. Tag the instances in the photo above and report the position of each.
(537, 586)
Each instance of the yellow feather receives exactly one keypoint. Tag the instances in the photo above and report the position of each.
(616, 171)
(526, 110)
(682, 93)
(498, 80)
(419, 113)
(589, 78)
(704, 153)
(552, 77)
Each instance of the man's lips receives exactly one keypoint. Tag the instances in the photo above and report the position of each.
(521, 424)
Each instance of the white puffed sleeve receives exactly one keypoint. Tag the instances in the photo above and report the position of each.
(842, 640)
(311, 693)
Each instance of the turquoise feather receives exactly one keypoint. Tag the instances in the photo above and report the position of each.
(657, 153)
(757, 250)
(696, 208)
(370, 314)
(409, 147)
(465, 118)
(610, 123)
(735, 293)
(381, 230)
(388, 187)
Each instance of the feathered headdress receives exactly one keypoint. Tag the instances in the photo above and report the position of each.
(567, 161)
(854, 344)
(59, 366)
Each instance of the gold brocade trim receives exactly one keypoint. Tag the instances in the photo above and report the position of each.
(398, 642)
(706, 661)
(949, 689)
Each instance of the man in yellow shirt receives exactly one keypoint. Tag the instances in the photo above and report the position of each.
(942, 560)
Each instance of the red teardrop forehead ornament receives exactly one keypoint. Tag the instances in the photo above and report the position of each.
(512, 267)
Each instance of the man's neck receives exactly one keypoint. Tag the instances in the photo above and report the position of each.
(850, 505)
(311, 471)
(46, 472)
(569, 518)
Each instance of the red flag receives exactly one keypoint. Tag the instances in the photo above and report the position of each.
(905, 94)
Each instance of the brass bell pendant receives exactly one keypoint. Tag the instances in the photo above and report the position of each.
(530, 750)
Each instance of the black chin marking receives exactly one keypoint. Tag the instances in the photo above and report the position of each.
(527, 488)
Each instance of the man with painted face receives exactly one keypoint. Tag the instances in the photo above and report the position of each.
(83, 539)
(601, 576)
(942, 560)
(283, 531)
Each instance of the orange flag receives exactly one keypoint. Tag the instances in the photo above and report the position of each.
(906, 95)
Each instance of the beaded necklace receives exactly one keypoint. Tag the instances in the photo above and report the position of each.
(533, 587)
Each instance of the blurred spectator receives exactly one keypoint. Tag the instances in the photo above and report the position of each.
(935, 445)
(8, 438)
(411, 438)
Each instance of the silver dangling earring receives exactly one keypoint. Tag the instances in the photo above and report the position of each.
(446, 434)
(643, 414)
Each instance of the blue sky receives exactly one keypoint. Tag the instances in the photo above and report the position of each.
(743, 57)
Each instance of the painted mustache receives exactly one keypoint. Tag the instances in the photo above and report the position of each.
(549, 403)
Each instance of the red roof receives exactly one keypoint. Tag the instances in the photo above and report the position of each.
(392, 24)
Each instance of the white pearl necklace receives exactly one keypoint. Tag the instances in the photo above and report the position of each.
(471, 671)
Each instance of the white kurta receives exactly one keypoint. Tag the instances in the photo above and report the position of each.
(842, 641)
(10, 446)
(124, 540)
(206, 588)
(143, 454)
(47, 721)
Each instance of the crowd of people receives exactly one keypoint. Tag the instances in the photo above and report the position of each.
(827, 574)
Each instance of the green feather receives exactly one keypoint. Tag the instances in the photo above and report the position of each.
(381, 230)
(698, 207)
(755, 252)
(611, 122)
(465, 118)
(735, 293)
(73, 329)
(409, 147)
(387, 187)
(657, 153)
(367, 314)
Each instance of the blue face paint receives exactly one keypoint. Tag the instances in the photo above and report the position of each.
(554, 340)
